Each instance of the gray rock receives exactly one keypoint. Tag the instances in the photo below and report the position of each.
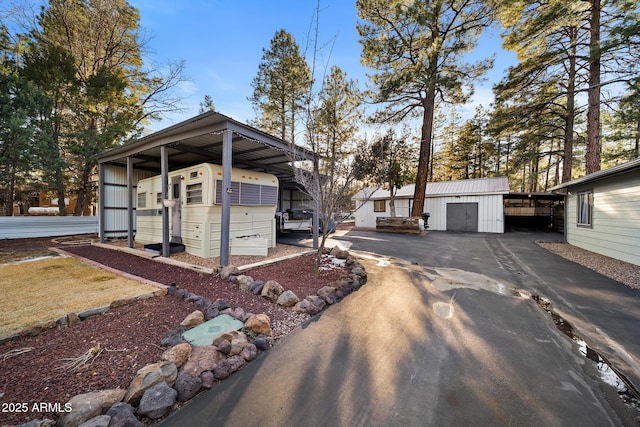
(306, 306)
(227, 367)
(287, 299)
(262, 343)
(256, 287)
(93, 312)
(227, 271)
(327, 293)
(202, 303)
(244, 282)
(88, 405)
(173, 338)
(180, 293)
(191, 297)
(187, 386)
(317, 301)
(220, 304)
(210, 312)
(207, 379)
(157, 400)
(224, 347)
(250, 352)
(272, 290)
(99, 421)
(237, 313)
(122, 416)
(147, 377)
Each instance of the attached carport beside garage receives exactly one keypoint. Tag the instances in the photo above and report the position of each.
(473, 205)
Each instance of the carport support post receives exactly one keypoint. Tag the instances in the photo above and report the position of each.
(225, 217)
(164, 171)
(130, 201)
(101, 196)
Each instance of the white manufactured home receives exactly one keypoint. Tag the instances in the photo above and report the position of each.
(473, 205)
(602, 212)
(194, 202)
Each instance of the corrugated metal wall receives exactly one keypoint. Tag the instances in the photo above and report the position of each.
(115, 198)
(22, 227)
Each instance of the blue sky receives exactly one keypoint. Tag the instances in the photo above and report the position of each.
(222, 42)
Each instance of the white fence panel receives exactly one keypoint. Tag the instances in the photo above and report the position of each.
(20, 227)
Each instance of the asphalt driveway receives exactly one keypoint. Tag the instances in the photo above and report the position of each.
(444, 333)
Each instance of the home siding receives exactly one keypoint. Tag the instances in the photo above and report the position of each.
(615, 229)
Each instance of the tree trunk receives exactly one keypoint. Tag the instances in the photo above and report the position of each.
(592, 158)
(392, 201)
(82, 191)
(428, 104)
(567, 165)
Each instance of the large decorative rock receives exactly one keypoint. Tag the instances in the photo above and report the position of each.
(317, 301)
(178, 354)
(88, 405)
(121, 415)
(244, 282)
(238, 313)
(221, 304)
(228, 367)
(237, 339)
(227, 271)
(327, 293)
(287, 299)
(203, 358)
(156, 401)
(258, 324)
(173, 338)
(187, 386)
(249, 353)
(272, 290)
(262, 343)
(210, 312)
(147, 377)
(306, 306)
(339, 253)
(194, 319)
(256, 287)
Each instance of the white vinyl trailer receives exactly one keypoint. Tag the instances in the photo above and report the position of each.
(194, 202)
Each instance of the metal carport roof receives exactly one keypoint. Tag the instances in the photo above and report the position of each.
(199, 140)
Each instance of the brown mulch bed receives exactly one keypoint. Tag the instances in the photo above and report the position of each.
(131, 334)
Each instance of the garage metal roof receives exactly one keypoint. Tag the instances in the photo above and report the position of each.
(481, 186)
(199, 140)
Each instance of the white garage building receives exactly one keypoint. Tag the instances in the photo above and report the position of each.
(473, 205)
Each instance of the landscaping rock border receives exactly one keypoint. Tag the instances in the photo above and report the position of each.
(185, 370)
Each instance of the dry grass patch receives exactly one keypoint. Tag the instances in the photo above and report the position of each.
(44, 290)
